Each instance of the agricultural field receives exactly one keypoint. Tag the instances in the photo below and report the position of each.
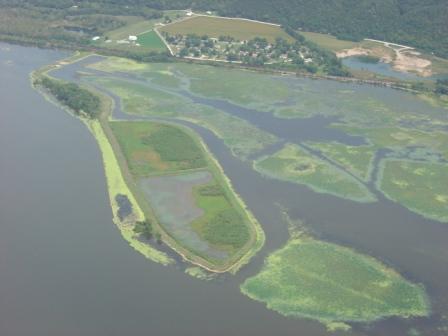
(318, 280)
(420, 186)
(296, 165)
(186, 195)
(329, 41)
(151, 40)
(216, 26)
(357, 160)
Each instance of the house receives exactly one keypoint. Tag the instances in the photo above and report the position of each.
(95, 38)
(132, 38)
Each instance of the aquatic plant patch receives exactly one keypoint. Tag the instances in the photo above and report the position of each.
(420, 186)
(239, 135)
(357, 160)
(318, 280)
(294, 164)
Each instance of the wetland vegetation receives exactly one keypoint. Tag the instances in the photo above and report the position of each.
(319, 280)
(295, 164)
(188, 199)
(380, 122)
(174, 183)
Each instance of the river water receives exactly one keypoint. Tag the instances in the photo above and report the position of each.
(65, 270)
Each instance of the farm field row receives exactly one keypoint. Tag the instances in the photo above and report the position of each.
(239, 29)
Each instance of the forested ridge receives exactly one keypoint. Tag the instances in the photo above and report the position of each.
(419, 23)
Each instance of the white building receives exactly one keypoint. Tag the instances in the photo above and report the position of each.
(95, 38)
(132, 38)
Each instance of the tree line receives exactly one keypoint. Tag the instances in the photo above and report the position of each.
(81, 101)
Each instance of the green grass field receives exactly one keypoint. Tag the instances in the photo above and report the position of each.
(237, 28)
(328, 41)
(355, 159)
(326, 282)
(152, 148)
(151, 41)
(294, 164)
(421, 187)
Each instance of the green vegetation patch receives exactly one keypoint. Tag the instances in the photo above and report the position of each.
(357, 160)
(322, 281)
(420, 186)
(237, 28)
(157, 148)
(329, 42)
(151, 40)
(221, 224)
(294, 164)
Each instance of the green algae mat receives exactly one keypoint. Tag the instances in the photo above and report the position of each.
(318, 280)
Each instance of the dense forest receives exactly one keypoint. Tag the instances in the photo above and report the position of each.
(421, 24)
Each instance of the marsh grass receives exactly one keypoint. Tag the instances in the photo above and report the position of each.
(294, 164)
(152, 148)
(358, 160)
(420, 186)
(221, 225)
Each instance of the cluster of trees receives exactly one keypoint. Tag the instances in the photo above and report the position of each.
(442, 87)
(80, 100)
(300, 55)
(145, 229)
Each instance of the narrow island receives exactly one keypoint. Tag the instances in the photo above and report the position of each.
(164, 185)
